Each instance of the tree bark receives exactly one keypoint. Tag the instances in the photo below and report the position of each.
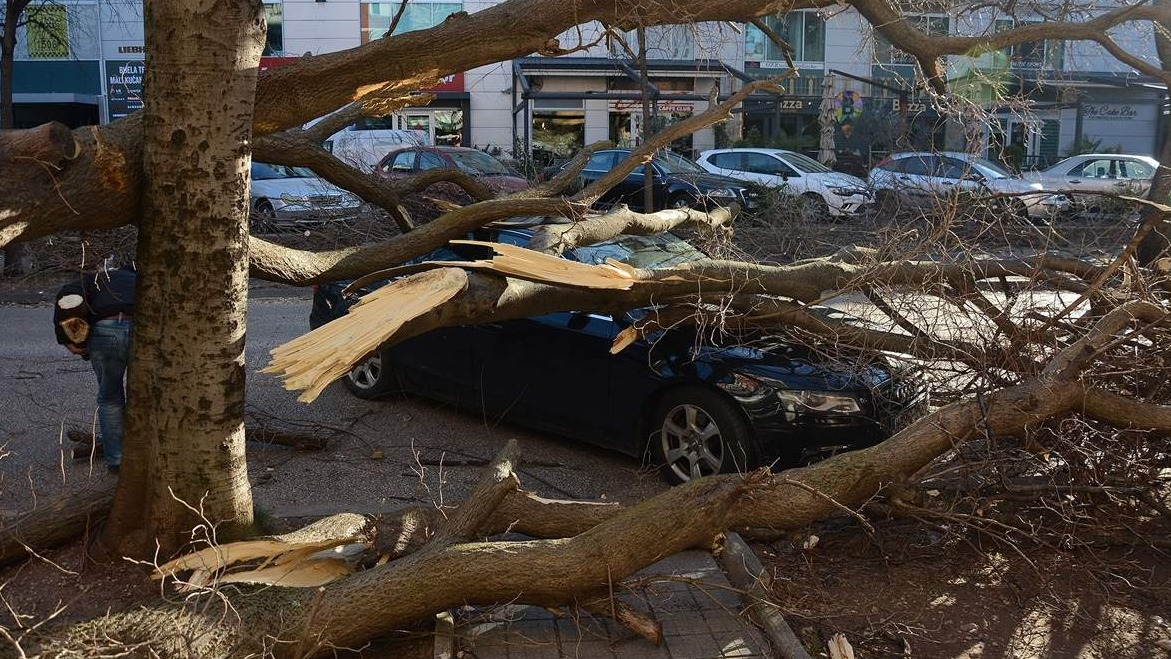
(184, 459)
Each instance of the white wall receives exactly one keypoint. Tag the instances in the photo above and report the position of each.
(321, 27)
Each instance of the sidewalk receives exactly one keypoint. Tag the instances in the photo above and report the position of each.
(700, 621)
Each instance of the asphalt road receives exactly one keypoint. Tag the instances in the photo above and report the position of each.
(382, 454)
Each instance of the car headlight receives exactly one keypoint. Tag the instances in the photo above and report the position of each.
(817, 401)
(850, 192)
(722, 192)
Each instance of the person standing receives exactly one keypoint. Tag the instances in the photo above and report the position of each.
(92, 318)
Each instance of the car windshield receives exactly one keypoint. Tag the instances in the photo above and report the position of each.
(262, 171)
(673, 163)
(662, 250)
(805, 164)
(478, 163)
(989, 169)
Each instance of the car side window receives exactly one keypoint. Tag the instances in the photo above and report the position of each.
(600, 162)
(1100, 168)
(428, 160)
(898, 166)
(760, 163)
(1135, 169)
(917, 165)
(404, 161)
(953, 169)
(728, 161)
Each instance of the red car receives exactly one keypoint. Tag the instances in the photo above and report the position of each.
(401, 163)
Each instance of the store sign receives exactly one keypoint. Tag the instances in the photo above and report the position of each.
(449, 83)
(124, 87)
(663, 107)
(913, 107)
(1109, 112)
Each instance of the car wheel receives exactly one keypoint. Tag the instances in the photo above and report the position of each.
(697, 432)
(372, 377)
(887, 202)
(680, 201)
(813, 207)
(262, 219)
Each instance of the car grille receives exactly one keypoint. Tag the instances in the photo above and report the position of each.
(899, 402)
(324, 199)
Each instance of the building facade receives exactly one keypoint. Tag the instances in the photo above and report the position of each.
(82, 62)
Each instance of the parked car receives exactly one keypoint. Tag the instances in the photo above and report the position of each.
(1108, 173)
(695, 408)
(676, 183)
(925, 180)
(824, 191)
(407, 161)
(285, 196)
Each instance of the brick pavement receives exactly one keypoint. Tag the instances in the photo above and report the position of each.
(699, 621)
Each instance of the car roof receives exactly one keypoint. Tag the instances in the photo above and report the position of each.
(951, 154)
(1113, 155)
(750, 149)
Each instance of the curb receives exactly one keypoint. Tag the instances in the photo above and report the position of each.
(745, 572)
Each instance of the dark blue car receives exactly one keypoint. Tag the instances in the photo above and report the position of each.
(676, 182)
(694, 408)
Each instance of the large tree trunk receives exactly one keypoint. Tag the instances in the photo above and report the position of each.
(184, 444)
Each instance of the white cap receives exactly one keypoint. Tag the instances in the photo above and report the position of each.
(70, 301)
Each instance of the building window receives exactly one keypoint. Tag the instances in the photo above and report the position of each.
(47, 32)
(1043, 54)
(894, 61)
(377, 17)
(673, 42)
(274, 42)
(803, 30)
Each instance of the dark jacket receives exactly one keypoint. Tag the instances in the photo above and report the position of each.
(106, 293)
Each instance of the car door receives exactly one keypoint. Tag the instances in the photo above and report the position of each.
(1137, 174)
(1094, 175)
(398, 164)
(595, 168)
(551, 372)
(767, 169)
(914, 182)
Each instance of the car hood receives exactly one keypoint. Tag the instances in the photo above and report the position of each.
(504, 183)
(297, 188)
(779, 364)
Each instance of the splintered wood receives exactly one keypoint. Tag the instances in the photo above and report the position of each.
(311, 361)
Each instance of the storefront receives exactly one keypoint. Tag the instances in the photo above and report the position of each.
(562, 104)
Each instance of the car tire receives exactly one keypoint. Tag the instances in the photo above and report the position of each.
(262, 219)
(680, 201)
(814, 207)
(698, 432)
(371, 377)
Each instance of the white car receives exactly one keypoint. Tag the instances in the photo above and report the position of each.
(929, 181)
(828, 192)
(285, 196)
(1109, 173)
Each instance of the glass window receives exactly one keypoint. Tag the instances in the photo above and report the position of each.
(918, 165)
(274, 41)
(1031, 54)
(263, 171)
(1135, 169)
(728, 161)
(673, 163)
(428, 160)
(803, 30)
(760, 163)
(47, 32)
(1101, 168)
(806, 164)
(418, 15)
(403, 161)
(601, 162)
(477, 163)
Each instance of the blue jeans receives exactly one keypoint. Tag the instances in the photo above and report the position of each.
(109, 350)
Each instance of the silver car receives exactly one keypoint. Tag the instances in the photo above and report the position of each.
(291, 196)
(944, 180)
(826, 192)
(1104, 173)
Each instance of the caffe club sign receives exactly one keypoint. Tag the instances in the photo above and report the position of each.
(1109, 112)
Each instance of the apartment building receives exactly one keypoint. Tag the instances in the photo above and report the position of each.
(82, 62)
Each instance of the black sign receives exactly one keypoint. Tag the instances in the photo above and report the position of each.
(124, 86)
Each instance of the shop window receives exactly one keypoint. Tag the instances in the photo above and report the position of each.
(803, 30)
(274, 41)
(560, 133)
(1044, 54)
(417, 15)
(47, 32)
(449, 127)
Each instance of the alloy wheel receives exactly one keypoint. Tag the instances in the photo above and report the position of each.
(692, 442)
